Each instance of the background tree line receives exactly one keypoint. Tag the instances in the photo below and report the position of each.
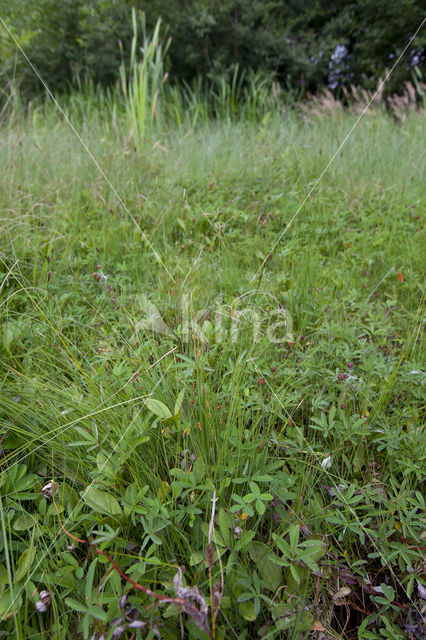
(304, 46)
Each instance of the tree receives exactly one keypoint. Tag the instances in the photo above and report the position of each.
(313, 44)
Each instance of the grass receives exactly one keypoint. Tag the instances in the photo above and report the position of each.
(266, 435)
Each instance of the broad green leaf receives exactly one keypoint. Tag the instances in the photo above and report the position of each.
(303, 621)
(101, 502)
(317, 548)
(179, 400)
(286, 618)
(270, 572)
(158, 408)
(282, 615)
(24, 563)
(172, 420)
(85, 434)
(217, 535)
(302, 572)
(75, 605)
(9, 606)
(85, 625)
(196, 557)
(12, 441)
(163, 491)
(307, 559)
(4, 579)
(260, 478)
(225, 522)
(294, 573)
(388, 591)
(3, 574)
(283, 546)
(24, 522)
(247, 610)
(106, 465)
(89, 579)
(98, 613)
(294, 538)
(260, 507)
(255, 490)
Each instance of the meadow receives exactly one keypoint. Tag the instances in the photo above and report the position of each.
(211, 368)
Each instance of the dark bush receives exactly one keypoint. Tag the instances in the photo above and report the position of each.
(305, 46)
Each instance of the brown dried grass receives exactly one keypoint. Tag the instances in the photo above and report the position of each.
(357, 100)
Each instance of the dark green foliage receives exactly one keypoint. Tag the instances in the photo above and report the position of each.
(67, 40)
(72, 40)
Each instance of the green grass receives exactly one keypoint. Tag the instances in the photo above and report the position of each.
(318, 477)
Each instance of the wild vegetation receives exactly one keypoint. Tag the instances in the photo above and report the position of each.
(304, 46)
(211, 389)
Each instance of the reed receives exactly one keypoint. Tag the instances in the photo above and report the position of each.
(142, 85)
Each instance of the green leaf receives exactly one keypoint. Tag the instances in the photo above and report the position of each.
(293, 586)
(98, 613)
(24, 563)
(163, 491)
(260, 478)
(179, 401)
(249, 510)
(4, 579)
(286, 618)
(101, 502)
(304, 621)
(255, 489)
(283, 546)
(260, 507)
(24, 522)
(388, 591)
(12, 441)
(85, 625)
(158, 408)
(75, 605)
(89, 579)
(316, 548)
(307, 559)
(247, 610)
(225, 523)
(9, 606)
(196, 557)
(106, 465)
(294, 573)
(244, 596)
(172, 420)
(85, 434)
(294, 538)
(269, 571)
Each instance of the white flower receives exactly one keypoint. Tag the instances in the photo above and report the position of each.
(326, 463)
(49, 489)
(44, 601)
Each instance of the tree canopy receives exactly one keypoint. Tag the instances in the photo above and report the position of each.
(302, 45)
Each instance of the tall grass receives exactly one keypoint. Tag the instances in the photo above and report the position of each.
(142, 87)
